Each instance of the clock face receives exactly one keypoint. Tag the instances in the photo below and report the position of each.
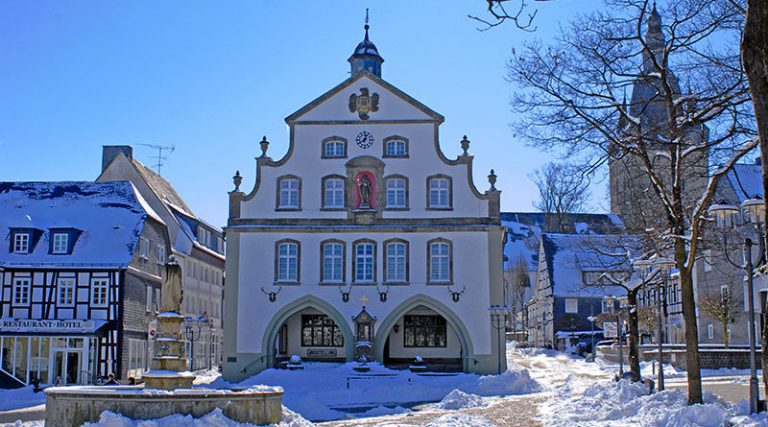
(364, 139)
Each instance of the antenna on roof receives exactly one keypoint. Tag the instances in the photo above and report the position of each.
(161, 156)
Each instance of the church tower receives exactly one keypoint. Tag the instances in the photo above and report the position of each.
(632, 196)
(366, 57)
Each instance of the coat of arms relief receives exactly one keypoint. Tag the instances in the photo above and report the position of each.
(364, 103)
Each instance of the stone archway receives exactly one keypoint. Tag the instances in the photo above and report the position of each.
(294, 307)
(453, 320)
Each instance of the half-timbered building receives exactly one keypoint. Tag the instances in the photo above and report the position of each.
(80, 276)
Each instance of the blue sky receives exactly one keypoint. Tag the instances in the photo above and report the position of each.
(211, 78)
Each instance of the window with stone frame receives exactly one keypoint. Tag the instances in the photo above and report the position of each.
(425, 331)
(439, 192)
(333, 192)
(319, 330)
(397, 192)
(289, 193)
(334, 148)
(396, 261)
(439, 263)
(332, 261)
(395, 148)
(287, 263)
(365, 261)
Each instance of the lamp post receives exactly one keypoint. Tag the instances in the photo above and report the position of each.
(592, 340)
(192, 331)
(498, 321)
(752, 211)
(665, 265)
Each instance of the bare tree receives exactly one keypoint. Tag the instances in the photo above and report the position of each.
(517, 282)
(563, 190)
(720, 305)
(572, 100)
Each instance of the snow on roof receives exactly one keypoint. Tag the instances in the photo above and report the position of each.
(569, 256)
(108, 218)
(746, 180)
(524, 229)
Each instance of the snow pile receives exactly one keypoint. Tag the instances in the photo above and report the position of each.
(514, 381)
(628, 404)
(329, 391)
(20, 398)
(457, 399)
(214, 419)
(460, 420)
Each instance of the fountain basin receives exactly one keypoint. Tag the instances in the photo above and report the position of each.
(73, 406)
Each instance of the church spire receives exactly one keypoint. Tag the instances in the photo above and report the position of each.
(654, 39)
(366, 57)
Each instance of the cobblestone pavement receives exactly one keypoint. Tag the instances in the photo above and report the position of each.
(510, 411)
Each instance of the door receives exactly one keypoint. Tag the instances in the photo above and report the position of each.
(66, 367)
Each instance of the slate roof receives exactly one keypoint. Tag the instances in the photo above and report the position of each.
(568, 256)
(162, 188)
(109, 217)
(746, 180)
(524, 229)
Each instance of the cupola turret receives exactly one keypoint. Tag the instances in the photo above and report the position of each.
(366, 57)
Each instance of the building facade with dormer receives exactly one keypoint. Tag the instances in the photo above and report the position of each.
(364, 239)
(80, 274)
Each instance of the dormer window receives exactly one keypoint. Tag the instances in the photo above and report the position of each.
(21, 243)
(334, 148)
(395, 146)
(60, 243)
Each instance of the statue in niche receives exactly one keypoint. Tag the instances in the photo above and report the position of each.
(364, 189)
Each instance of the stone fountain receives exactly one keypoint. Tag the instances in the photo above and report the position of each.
(167, 387)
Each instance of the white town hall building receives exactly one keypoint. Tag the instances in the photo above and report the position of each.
(364, 240)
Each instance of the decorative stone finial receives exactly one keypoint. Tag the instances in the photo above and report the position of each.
(492, 180)
(237, 179)
(264, 146)
(465, 146)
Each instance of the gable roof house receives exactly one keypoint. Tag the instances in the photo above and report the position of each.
(567, 290)
(197, 245)
(80, 271)
(521, 250)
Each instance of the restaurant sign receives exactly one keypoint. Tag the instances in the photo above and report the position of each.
(50, 325)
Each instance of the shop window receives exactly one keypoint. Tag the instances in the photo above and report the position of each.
(319, 330)
(425, 331)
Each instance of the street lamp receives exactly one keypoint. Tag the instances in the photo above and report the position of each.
(665, 265)
(592, 340)
(192, 332)
(753, 213)
(499, 315)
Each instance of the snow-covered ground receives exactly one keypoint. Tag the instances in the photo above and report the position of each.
(542, 388)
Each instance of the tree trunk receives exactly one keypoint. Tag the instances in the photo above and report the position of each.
(725, 333)
(634, 336)
(754, 54)
(693, 365)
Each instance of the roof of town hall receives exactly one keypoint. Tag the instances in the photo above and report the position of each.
(104, 219)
